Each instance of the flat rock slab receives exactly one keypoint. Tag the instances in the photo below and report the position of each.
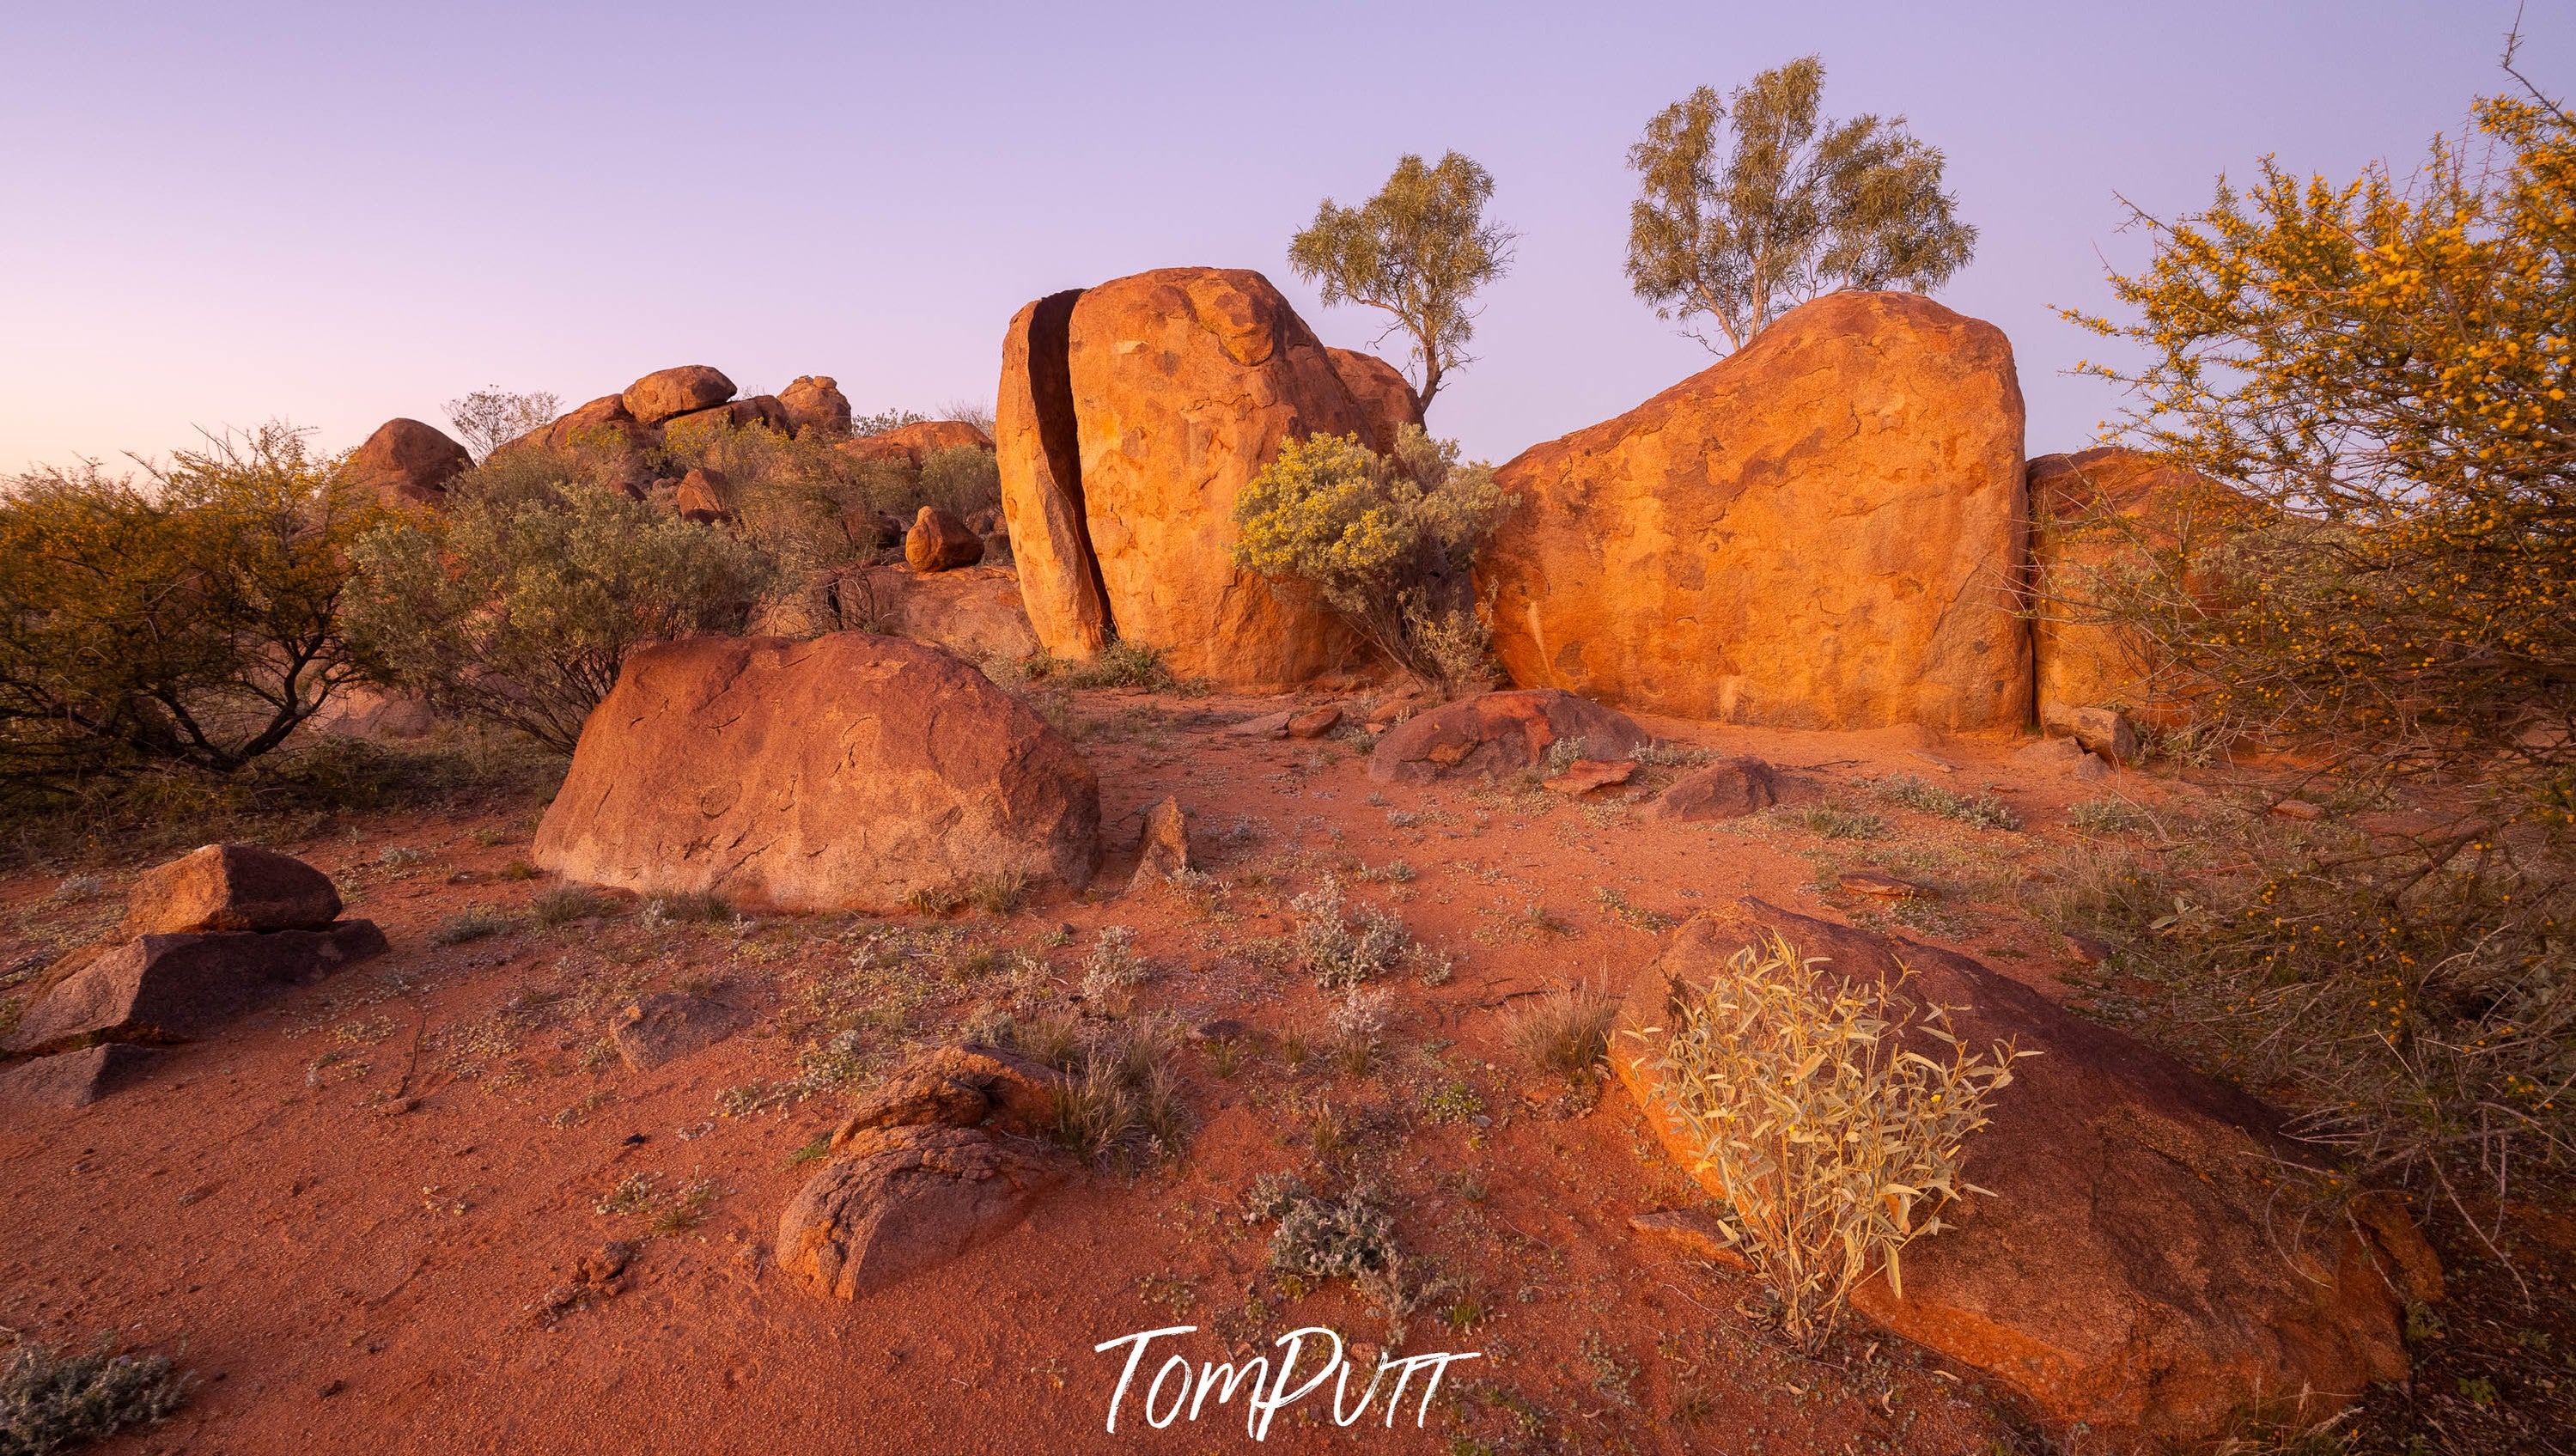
(178, 987)
(1587, 774)
(1497, 733)
(899, 1200)
(1315, 722)
(667, 1026)
(230, 887)
(71, 1080)
(1879, 884)
(1727, 789)
(1693, 1232)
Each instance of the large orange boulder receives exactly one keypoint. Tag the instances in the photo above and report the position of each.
(1825, 530)
(1385, 397)
(603, 421)
(848, 772)
(1041, 469)
(667, 392)
(1186, 381)
(815, 402)
(2140, 1266)
(407, 463)
(2096, 516)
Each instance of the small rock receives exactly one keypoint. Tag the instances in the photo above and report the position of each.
(1394, 709)
(1223, 1028)
(2299, 809)
(2087, 950)
(1315, 722)
(1587, 774)
(2061, 755)
(229, 887)
(667, 1026)
(605, 1263)
(70, 1080)
(330, 1389)
(939, 541)
(1727, 789)
(1164, 848)
(1268, 725)
(2101, 730)
(1498, 733)
(898, 1200)
(1697, 1234)
(665, 393)
(1882, 885)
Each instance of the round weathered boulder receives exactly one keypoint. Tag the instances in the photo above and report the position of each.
(844, 773)
(229, 887)
(1727, 789)
(1498, 733)
(2140, 1266)
(1825, 530)
(939, 541)
(660, 395)
(407, 463)
(815, 402)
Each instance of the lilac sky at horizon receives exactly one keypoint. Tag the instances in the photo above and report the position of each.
(335, 215)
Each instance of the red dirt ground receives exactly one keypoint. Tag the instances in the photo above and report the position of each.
(343, 1213)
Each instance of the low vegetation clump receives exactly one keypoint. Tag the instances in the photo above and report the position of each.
(1343, 945)
(478, 923)
(1320, 1240)
(1907, 791)
(1119, 664)
(54, 1401)
(1832, 1141)
(1113, 966)
(1566, 1032)
(1389, 541)
(1124, 1105)
(561, 905)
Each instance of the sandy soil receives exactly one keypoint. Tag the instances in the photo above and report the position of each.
(347, 1213)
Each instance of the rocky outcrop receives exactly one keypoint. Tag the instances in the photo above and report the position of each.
(1041, 469)
(815, 402)
(704, 496)
(1385, 397)
(761, 411)
(1499, 733)
(2093, 514)
(666, 393)
(602, 422)
(166, 988)
(2140, 1266)
(1822, 531)
(408, 464)
(942, 1159)
(939, 541)
(911, 444)
(844, 773)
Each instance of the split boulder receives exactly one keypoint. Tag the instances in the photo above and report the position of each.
(1040, 464)
(666, 393)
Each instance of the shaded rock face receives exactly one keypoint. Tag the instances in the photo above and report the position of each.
(1385, 397)
(938, 1162)
(1130, 416)
(2136, 1269)
(1186, 381)
(408, 464)
(842, 773)
(1041, 470)
(761, 411)
(2090, 511)
(1498, 733)
(664, 393)
(815, 402)
(704, 496)
(1727, 789)
(974, 611)
(939, 541)
(603, 420)
(1822, 531)
(165, 988)
(67, 1081)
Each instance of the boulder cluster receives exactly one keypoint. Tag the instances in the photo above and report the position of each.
(206, 939)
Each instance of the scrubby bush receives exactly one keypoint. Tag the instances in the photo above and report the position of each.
(487, 419)
(1390, 542)
(1345, 945)
(521, 602)
(52, 1401)
(1833, 1142)
(1566, 1032)
(191, 618)
(960, 479)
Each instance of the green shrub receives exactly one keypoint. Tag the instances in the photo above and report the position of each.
(520, 604)
(192, 618)
(51, 1401)
(1119, 664)
(1833, 1143)
(960, 479)
(1389, 542)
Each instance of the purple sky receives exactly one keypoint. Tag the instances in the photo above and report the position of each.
(335, 213)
